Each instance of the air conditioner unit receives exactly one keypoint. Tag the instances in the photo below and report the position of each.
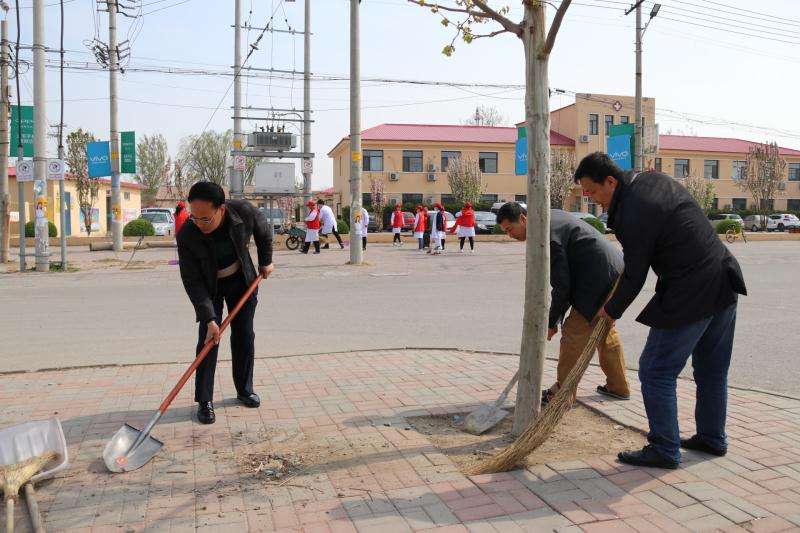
(431, 176)
(270, 140)
(584, 138)
(782, 186)
(431, 167)
(394, 176)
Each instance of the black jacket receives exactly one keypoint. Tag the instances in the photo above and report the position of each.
(661, 226)
(583, 267)
(198, 262)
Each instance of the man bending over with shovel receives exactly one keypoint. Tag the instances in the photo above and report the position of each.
(216, 266)
(583, 268)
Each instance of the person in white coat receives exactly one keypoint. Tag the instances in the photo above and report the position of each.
(328, 221)
(361, 227)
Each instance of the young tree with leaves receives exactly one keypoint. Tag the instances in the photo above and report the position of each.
(466, 179)
(701, 189)
(464, 16)
(154, 165)
(79, 169)
(204, 157)
(765, 170)
(562, 173)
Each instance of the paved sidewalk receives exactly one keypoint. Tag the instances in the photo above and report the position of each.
(404, 483)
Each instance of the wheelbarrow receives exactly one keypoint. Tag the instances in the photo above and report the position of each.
(30, 452)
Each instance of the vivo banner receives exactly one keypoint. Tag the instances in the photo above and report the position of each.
(521, 157)
(619, 149)
(99, 158)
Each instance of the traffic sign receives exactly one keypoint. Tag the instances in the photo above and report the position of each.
(24, 170)
(238, 162)
(308, 166)
(55, 169)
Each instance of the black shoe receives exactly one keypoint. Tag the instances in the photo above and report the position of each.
(699, 445)
(249, 400)
(602, 389)
(547, 395)
(647, 456)
(205, 413)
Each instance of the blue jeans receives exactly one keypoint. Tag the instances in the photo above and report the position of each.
(709, 342)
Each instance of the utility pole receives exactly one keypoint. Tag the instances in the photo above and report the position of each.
(356, 254)
(639, 131)
(23, 249)
(113, 65)
(4, 107)
(306, 148)
(237, 176)
(40, 142)
(62, 207)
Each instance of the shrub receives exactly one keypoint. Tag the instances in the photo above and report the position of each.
(497, 229)
(596, 223)
(30, 229)
(139, 228)
(346, 213)
(343, 227)
(725, 225)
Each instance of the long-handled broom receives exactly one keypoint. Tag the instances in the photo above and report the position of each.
(13, 476)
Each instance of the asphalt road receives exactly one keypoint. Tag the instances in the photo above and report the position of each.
(105, 315)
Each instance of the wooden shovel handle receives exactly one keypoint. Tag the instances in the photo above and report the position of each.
(210, 344)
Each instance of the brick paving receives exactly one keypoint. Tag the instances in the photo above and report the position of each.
(398, 481)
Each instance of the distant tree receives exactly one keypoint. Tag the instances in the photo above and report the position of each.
(486, 116)
(179, 182)
(154, 165)
(79, 169)
(701, 189)
(562, 171)
(466, 179)
(204, 157)
(250, 169)
(764, 176)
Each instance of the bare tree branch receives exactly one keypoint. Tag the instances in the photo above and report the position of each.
(551, 35)
(423, 3)
(498, 32)
(516, 29)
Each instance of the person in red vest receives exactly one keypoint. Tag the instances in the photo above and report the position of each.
(181, 216)
(466, 227)
(397, 225)
(312, 227)
(420, 223)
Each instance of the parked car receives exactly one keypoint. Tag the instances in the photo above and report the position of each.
(170, 212)
(162, 222)
(408, 221)
(485, 221)
(719, 217)
(275, 215)
(759, 223)
(784, 221)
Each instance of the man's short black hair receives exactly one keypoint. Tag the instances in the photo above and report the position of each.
(320, 202)
(597, 167)
(511, 211)
(208, 191)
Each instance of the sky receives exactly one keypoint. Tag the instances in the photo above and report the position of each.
(722, 68)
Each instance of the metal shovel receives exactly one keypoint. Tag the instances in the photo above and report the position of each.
(488, 415)
(130, 448)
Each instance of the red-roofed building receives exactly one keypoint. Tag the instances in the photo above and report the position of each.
(411, 158)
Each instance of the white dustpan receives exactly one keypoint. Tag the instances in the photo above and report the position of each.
(23, 441)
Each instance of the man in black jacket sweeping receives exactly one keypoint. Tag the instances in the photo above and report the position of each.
(216, 266)
(693, 312)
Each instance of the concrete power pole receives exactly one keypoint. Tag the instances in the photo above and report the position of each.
(4, 145)
(237, 176)
(639, 131)
(306, 148)
(40, 142)
(356, 254)
(113, 66)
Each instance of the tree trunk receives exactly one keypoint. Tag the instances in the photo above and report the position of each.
(537, 248)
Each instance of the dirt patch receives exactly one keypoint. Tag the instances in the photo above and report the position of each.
(581, 434)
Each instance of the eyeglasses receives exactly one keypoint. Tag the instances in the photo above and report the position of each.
(204, 220)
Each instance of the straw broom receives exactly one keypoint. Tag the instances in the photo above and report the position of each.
(13, 476)
(538, 430)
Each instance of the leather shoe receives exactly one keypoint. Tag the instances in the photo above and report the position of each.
(249, 400)
(647, 456)
(699, 445)
(205, 413)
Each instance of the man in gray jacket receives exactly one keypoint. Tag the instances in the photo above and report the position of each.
(583, 268)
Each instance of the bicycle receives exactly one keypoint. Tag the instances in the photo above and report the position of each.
(732, 234)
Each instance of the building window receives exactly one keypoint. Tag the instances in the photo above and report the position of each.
(794, 171)
(127, 196)
(681, 168)
(521, 198)
(412, 160)
(594, 120)
(769, 205)
(448, 199)
(739, 204)
(447, 157)
(488, 198)
(793, 204)
(372, 161)
(366, 199)
(412, 198)
(715, 203)
(609, 123)
(711, 169)
(658, 164)
(487, 161)
(624, 119)
(739, 170)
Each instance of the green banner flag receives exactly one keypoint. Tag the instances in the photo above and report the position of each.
(27, 130)
(128, 149)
